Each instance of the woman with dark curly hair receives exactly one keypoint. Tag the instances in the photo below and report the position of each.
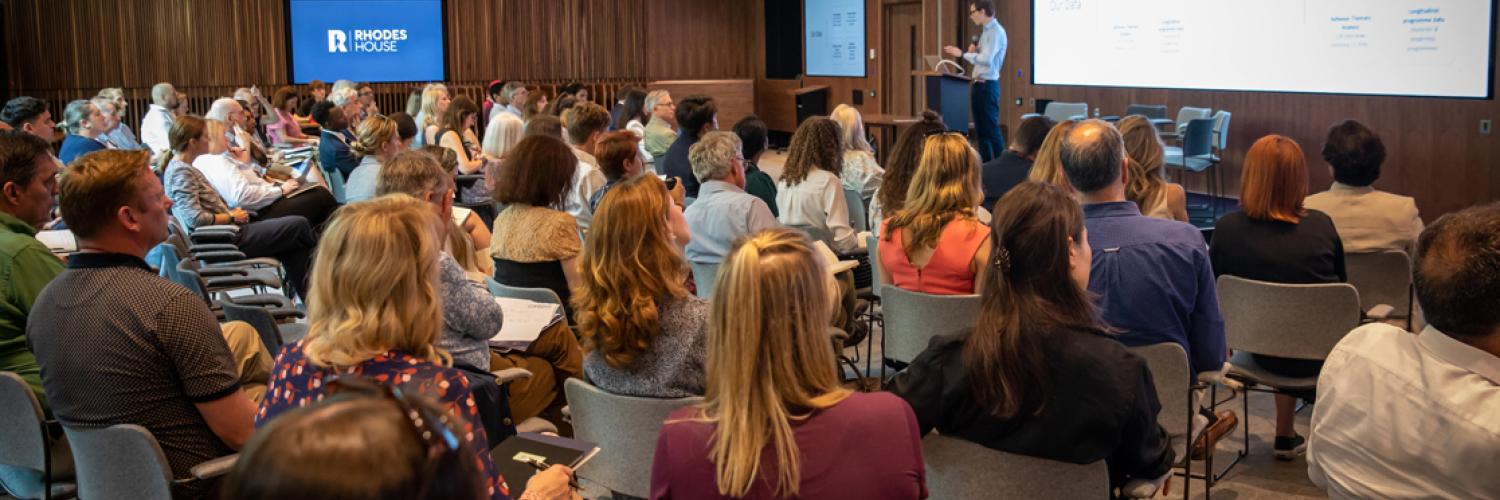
(809, 194)
(902, 165)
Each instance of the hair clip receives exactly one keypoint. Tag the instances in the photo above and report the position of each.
(1002, 259)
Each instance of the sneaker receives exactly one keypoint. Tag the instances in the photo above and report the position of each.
(1224, 423)
(1289, 448)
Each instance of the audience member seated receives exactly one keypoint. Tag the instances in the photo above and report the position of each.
(28, 184)
(109, 111)
(754, 139)
(317, 91)
(1013, 166)
(575, 90)
(378, 141)
(468, 221)
(157, 124)
(380, 326)
(182, 105)
(334, 156)
(935, 244)
(536, 245)
(1047, 167)
(902, 165)
(195, 203)
(435, 102)
(547, 125)
(697, 115)
(406, 128)
(121, 136)
(1152, 277)
(861, 173)
(458, 124)
(85, 126)
(809, 193)
(494, 99)
(367, 101)
(1039, 374)
(661, 130)
(286, 130)
(584, 123)
(619, 160)
(776, 421)
(1413, 416)
(1368, 220)
(1148, 189)
(535, 105)
(724, 213)
(470, 314)
(347, 99)
(1274, 238)
(644, 331)
(500, 137)
(631, 114)
(414, 443)
(122, 345)
(30, 115)
(242, 187)
(560, 106)
(515, 93)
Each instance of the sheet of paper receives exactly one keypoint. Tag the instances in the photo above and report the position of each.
(831, 260)
(58, 241)
(525, 320)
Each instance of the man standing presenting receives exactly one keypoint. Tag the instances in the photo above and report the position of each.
(984, 96)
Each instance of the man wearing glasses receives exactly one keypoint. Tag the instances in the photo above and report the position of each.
(984, 96)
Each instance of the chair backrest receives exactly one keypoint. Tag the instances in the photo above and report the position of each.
(872, 248)
(913, 318)
(542, 295)
(957, 468)
(1199, 138)
(1149, 111)
(625, 428)
(1190, 113)
(23, 440)
(119, 461)
(1381, 278)
(258, 317)
(1060, 111)
(168, 265)
(1284, 320)
(1221, 130)
(815, 233)
(187, 276)
(857, 219)
(703, 277)
(1173, 379)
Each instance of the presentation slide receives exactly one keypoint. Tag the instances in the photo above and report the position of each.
(834, 35)
(1439, 48)
(366, 40)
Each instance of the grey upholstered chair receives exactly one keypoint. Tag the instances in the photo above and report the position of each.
(913, 318)
(625, 428)
(542, 295)
(125, 461)
(957, 468)
(1382, 278)
(26, 444)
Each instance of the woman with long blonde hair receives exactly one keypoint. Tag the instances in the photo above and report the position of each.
(1147, 188)
(776, 421)
(643, 331)
(861, 173)
(809, 193)
(435, 101)
(1048, 165)
(381, 326)
(936, 244)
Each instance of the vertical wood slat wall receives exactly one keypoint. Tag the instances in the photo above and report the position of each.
(69, 49)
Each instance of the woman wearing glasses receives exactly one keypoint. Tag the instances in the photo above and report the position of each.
(379, 326)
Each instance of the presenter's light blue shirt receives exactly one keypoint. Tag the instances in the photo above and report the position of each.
(991, 53)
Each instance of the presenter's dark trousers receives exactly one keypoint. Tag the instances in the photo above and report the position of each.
(984, 106)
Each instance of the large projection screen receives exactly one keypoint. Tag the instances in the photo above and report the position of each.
(834, 37)
(366, 40)
(1428, 48)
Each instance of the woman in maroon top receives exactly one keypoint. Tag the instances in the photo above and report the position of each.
(775, 421)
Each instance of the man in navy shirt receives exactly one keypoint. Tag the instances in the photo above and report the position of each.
(697, 115)
(1152, 276)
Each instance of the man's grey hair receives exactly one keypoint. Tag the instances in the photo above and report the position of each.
(162, 92)
(713, 156)
(509, 91)
(343, 96)
(1092, 155)
(652, 98)
(343, 84)
(221, 108)
(75, 114)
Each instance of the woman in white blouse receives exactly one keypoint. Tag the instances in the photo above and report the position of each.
(809, 194)
(861, 172)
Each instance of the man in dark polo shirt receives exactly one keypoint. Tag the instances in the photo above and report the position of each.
(123, 345)
(1011, 167)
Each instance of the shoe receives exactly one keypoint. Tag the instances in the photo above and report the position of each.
(1289, 448)
(1224, 423)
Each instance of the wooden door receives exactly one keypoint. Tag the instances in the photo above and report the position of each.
(901, 30)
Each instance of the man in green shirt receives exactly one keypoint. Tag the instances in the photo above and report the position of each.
(28, 186)
(661, 131)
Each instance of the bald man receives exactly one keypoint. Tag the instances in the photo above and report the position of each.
(159, 119)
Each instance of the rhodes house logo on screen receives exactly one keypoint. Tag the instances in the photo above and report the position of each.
(368, 41)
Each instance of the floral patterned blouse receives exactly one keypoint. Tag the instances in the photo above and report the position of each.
(296, 382)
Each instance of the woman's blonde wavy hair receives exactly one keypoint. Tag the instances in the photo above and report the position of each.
(374, 132)
(770, 358)
(355, 313)
(430, 97)
(629, 264)
(945, 186)
(853, 126)
(1144, 150)
(1048, 165)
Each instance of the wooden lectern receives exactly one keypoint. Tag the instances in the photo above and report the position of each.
(949, 96)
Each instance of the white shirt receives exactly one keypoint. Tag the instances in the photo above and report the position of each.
(818, 201)
(1406, 416)
(237, 183)
(586, 179)
(155, 128)
(639, 129)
